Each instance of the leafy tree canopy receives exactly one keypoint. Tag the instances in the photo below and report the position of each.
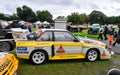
(26, 13)
(44, 15)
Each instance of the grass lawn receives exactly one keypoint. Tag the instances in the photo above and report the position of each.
(33, 29)
(84, 33)
(69, 67)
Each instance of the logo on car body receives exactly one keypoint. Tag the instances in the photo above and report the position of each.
(21, 48)
(60, 49)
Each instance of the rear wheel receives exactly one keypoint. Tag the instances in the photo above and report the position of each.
(92, 55)
(38, 57)
(6, 46)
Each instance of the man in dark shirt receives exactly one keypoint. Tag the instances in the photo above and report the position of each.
(105, 32)
(118, 36)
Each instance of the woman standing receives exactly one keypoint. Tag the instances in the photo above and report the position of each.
(110, 36)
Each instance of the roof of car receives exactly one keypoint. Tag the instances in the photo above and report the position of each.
(53, 29)
(40, 31)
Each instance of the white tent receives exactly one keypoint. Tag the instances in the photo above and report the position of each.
(45, 22)
(38, 22)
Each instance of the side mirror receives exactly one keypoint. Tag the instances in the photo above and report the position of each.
(76, 40)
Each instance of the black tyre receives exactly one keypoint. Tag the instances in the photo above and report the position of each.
(6, 46)
(92, 55)
(38, 57)
(89, 32)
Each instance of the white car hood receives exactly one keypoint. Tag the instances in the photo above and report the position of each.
(88, 40)
(2, 54)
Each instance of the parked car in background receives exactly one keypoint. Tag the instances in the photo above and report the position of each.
(93, 29)
(59, 44)
(84, 26)
(6, 38)
(75, 28)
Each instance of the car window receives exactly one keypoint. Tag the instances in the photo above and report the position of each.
(63, 36)
(46, 36)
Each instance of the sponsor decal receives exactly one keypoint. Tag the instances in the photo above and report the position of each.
(4, 65)
(60, 49)
(67, 56)
(21, 48)
(23, 52)
(16, 35)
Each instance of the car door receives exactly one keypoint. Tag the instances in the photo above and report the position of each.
(66, 46)
(45, 42)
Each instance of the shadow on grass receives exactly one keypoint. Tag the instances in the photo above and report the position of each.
(65, 61)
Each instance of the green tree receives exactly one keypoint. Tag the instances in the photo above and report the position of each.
(74, 18)
(112, 20)
(117, 20)
(2, 17)
(83, 18)
(26, 13)
(96, 17)
(44, 15)
(14, 17)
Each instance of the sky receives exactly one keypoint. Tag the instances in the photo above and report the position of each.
(63, 7)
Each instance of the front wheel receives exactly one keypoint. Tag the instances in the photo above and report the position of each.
(38, 57)
(92, 55)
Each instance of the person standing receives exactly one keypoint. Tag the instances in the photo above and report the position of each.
(28, 26)
(110, 36)
(101, 30)
(118, 37)
(105, 32)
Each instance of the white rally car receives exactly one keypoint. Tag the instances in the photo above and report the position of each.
(57, 44)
